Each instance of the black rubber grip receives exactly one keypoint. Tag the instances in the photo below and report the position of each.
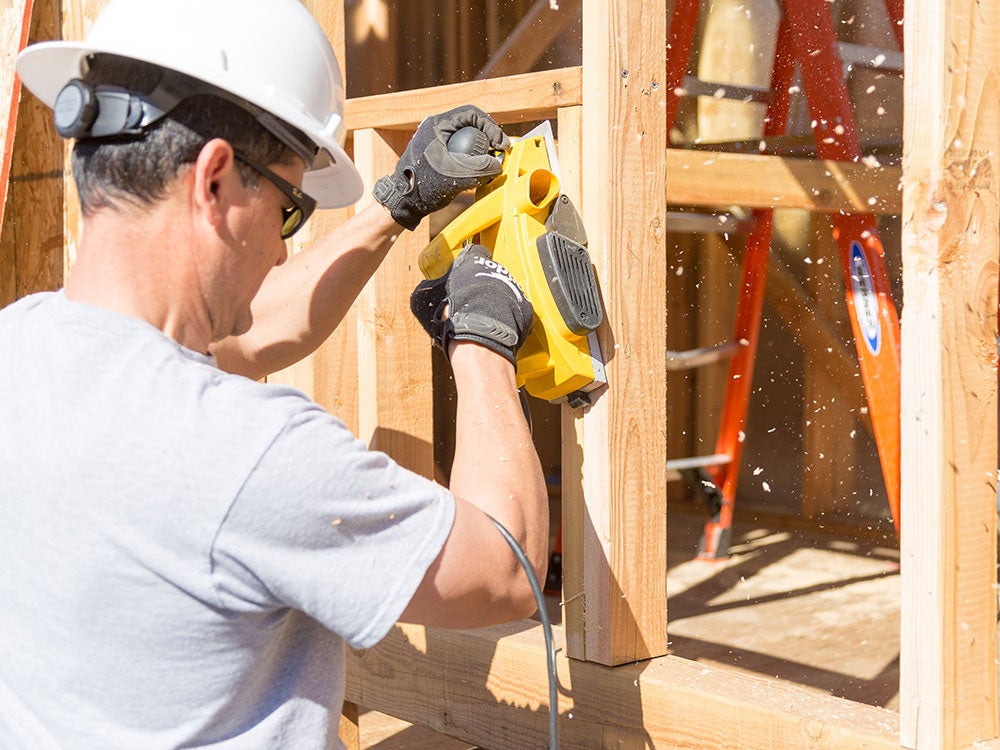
(572, 282)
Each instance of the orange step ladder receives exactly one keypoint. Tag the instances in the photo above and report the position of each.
(806, 38)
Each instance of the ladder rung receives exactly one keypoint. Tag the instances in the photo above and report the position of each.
(706, 355)
(698, 462)
(702, 222)
(864, 56)
(697, 87)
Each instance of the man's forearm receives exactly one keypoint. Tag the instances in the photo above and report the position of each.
(496, 466)
(303, 300)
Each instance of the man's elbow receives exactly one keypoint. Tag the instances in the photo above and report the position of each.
(517, 601)
(525, 604)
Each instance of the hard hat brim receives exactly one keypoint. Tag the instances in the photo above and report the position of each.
(333, 181)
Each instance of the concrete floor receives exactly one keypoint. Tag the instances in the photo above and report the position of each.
(810, 607)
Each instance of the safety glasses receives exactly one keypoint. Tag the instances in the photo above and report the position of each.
(294, 216)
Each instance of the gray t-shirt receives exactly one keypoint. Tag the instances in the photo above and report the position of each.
(184, 552)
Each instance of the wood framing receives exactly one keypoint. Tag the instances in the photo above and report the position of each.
(489, 687)
(617, 545)
(707, 178)
(530, 96)
(951, 251)
(395, 398)
(618, 686)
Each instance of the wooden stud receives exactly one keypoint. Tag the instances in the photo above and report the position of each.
(395, 405)
(619, 614)
(532, 96)
(572, 497)
(328, 375)
(490, 687)
(951, 248)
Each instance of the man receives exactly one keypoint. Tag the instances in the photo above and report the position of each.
(185, 550)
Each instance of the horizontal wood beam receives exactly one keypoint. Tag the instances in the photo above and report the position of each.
(489, 687)
(710, 178)
(527, 97)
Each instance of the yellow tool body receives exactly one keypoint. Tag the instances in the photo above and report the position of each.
(560, 358)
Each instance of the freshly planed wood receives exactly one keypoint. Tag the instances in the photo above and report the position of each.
(708, 178)
(328, 375)
(573, 506)
(531, 96)
(490, 687)
(395, 400)
(619, 615)
(951, 250)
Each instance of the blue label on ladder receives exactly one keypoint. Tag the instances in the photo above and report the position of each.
(865, 299)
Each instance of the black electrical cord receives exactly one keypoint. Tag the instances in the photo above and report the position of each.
(550, 651)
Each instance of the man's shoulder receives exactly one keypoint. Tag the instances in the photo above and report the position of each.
(26, 304)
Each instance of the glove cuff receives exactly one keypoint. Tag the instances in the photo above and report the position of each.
(483, 330)
(390, 193)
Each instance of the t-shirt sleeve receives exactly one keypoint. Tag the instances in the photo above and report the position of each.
(326, 526)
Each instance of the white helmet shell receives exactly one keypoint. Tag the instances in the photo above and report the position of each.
(270, 53)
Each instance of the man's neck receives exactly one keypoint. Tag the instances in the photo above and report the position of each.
(141, 264)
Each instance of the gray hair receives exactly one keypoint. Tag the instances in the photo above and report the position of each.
(138, 169)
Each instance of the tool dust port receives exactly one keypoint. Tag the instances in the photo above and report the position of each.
(542, 187)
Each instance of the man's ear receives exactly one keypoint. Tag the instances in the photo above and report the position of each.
(214, 170)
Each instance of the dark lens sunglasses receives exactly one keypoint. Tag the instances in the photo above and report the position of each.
(302, 205)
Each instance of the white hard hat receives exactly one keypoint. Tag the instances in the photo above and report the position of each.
(269, 53)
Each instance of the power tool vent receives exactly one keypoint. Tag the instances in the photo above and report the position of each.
(572, 282)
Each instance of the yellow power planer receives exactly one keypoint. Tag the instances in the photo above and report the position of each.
(538, 235)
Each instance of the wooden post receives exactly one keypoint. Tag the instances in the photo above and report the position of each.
(617, 547)
(395, 406)
(951, 167)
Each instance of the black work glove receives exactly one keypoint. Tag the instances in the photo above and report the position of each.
(484, 302)
(428, 176)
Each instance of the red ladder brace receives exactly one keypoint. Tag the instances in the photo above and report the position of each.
(805, 35)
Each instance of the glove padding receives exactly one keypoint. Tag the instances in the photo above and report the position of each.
(485, 305)
(428, 176)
